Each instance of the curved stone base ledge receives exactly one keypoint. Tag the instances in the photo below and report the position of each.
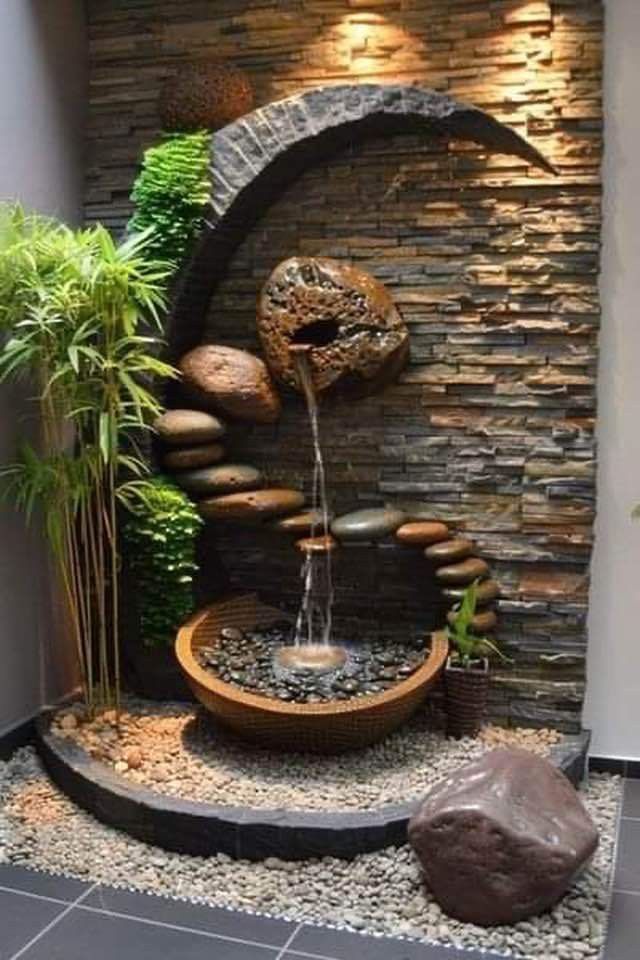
(201, 829)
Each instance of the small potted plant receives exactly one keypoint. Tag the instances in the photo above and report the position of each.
(466, 676)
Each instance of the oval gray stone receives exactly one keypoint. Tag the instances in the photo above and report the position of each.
(227, 478)
(190, 458)
(188, 427)
(370, 524)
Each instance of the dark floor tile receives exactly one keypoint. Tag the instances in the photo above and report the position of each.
(631, 804)
(341, 945)
(633, 769)
(84, 934)
(227, 923)
(44, 884)
(627, 875)
(624, 928)
(21, 919)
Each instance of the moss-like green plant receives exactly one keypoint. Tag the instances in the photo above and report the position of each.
(160, 535)
(170, 194)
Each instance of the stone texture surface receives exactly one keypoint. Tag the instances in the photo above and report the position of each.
(218, 480)
(204, 95)
(502, 839)
(371, 524)
(251, 506)
(464, 572)
(422, 533)
(186, 427)
(492, 264)
(230, 380)
(360, 341)
(190, 457)
(299, 523)
(449, 550)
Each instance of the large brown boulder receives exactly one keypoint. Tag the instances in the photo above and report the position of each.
(360, 342)
(230, 381)
(503, 838)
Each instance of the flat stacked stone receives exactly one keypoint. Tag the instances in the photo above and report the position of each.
(421, 533)
(367, 525)
(188, 428)
(300, 523)
(189, 458)
(251, 507)
(483, 622)
(224, 479)
(463, 573)
(448, 551)
(486, 591)
(323, 544)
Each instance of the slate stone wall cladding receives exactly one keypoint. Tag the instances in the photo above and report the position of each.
(492, 262)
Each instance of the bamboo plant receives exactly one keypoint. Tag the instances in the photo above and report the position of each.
(77, 311)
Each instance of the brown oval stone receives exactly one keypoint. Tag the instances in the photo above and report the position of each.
(219, 480)
(317, 544)
(359, 340)
(482, 622)
(191, 457)
(230, 380)
(299, 523)
(449, 550)
(188, 427)
(251, 506)
(464, 572)
(420, 533)
(486, 591)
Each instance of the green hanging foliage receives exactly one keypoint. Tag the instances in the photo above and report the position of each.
(160, 534)
(170, 194)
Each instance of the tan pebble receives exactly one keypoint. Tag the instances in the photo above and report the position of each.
(121, 766)
(133, 757)
(69, 721)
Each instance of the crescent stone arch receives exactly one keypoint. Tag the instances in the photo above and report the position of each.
(256, 157)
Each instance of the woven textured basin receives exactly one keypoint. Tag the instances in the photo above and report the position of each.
(315, 728)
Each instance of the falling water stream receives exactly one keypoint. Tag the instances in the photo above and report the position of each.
(314, 622)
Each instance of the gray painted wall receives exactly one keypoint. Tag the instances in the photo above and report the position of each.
(613, 690)
(42, 98)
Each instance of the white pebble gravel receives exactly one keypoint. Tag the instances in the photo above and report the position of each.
(378, 893)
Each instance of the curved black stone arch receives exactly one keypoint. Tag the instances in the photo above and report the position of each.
(254, 158)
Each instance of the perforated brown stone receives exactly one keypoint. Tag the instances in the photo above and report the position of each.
(359, 341)
(205, 95)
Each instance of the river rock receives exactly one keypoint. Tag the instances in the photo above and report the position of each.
(502, 839)
(232, 381)
(486, 591)
(371, 524)
(319, 544)
(187, 427)
(482, 622)
(359, 340)
(464, 572)
(421, 533)
(300, 524)
(191, 457)
(449, 551)
(251, 507)
(219, 480)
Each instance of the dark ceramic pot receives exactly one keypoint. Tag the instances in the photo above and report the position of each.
(466, 694)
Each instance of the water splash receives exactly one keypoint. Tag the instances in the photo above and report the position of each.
(315, 617)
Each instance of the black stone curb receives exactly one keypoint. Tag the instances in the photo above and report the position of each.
(201, 829)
